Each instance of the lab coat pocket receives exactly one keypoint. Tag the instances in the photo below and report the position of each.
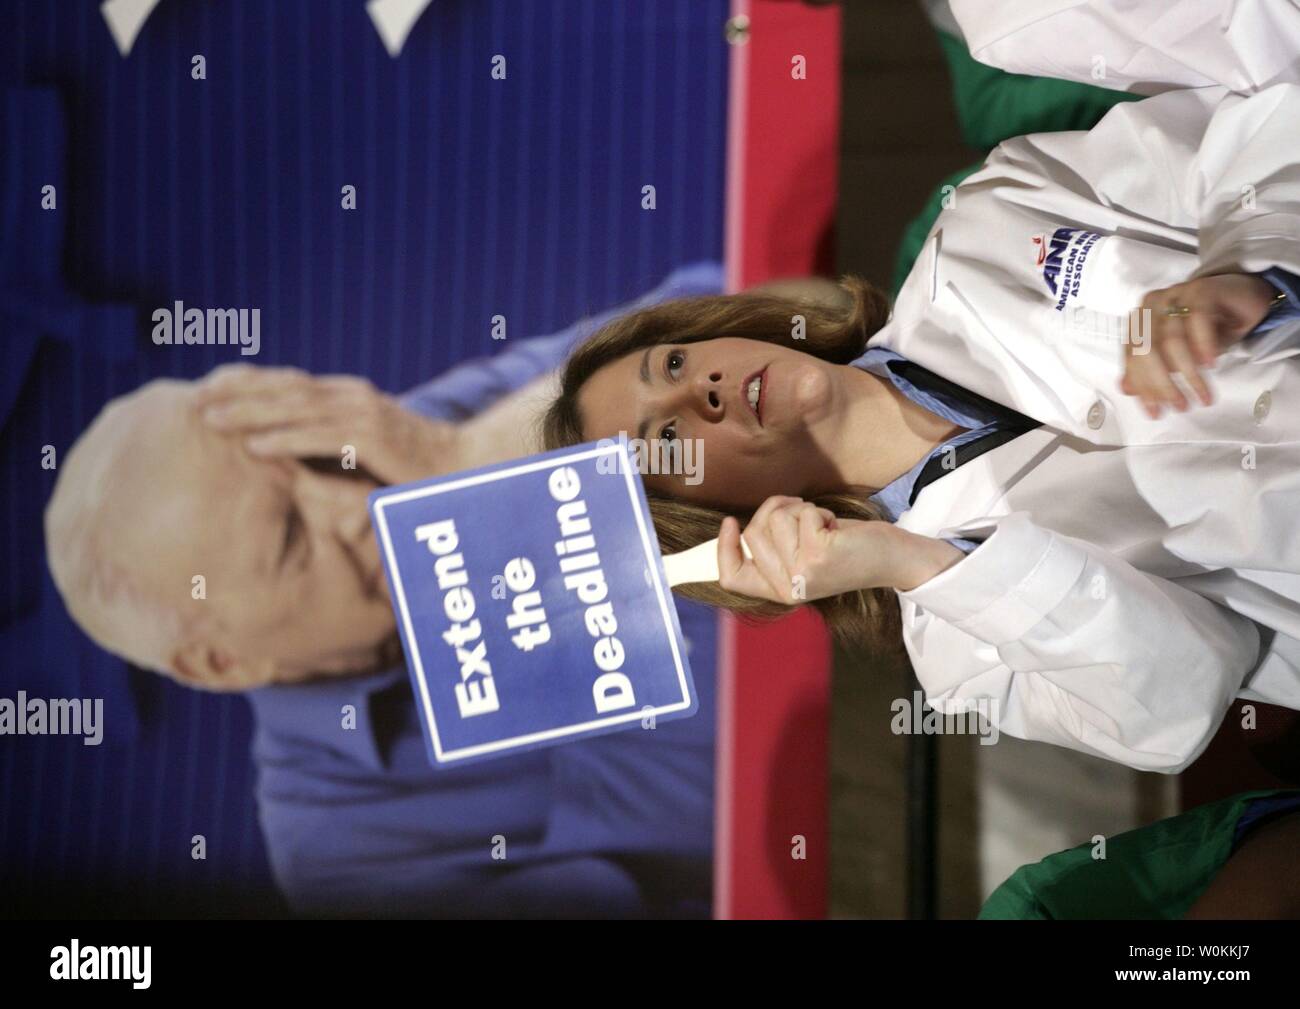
(1120, 271)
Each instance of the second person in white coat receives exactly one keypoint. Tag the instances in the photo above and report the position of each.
(1143, 46)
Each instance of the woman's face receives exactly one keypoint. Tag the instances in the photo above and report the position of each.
(701, 393)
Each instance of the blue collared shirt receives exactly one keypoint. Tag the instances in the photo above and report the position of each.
(357, 821)
(1285, 310)
(893, 499)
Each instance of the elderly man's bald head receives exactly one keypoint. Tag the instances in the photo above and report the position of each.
(167, 541)
(117, 526)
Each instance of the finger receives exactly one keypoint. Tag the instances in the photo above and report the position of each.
(267, 411)
(730, 559)
(1173, 355)
(1133, 382)
(759, 528)
(783, 530)
(807, 516)
(1150, 372)
(1178, 355)
(351, 384)
(735, 572)
(814, 521)
(1135, 378)
(760, 516)
(1131, 385)
(314, 441)
(233, 379)
(1158, 300)
(812, 532)
(1203, 337)
(764, 565)
(1175, 294)
(768, 560)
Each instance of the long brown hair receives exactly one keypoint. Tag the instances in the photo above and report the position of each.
(867, 617)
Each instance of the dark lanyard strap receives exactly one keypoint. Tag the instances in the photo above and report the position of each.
(1008, 423)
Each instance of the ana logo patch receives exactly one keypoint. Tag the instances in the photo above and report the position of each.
(1061, 258)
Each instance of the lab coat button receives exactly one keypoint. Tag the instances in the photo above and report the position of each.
(1262, 406)
(1096, 415)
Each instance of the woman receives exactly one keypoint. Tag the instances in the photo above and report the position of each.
(1108, 575)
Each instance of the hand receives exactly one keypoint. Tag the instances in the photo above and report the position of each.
(802, 552)
(288, 413)
(1223, 310)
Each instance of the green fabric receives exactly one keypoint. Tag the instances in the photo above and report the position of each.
(1152, 873)
(993, 106)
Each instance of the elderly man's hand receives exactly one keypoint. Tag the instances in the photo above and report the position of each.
(289, 413)
(1191, 324)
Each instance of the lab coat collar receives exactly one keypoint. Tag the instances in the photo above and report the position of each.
(971, 492)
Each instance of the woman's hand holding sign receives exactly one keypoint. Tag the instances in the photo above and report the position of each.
(1191, 324)
(289, 413)
(803, 552)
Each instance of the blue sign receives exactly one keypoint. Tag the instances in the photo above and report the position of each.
(532, 603)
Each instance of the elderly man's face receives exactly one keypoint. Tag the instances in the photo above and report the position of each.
(294, 584)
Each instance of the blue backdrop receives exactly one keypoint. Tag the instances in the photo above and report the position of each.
(475, 197)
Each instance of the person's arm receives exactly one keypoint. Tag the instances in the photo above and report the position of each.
(1243, 184)
(1078, 648)
(1054, 638)
(1274, 333)
(1145, 48)
(1286, 290)
(1221, 165)
(1240, 190)
(993, 105)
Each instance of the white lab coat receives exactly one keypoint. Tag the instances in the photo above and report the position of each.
(1143, 46)
(1137, 574)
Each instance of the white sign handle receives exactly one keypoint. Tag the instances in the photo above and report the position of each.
(698, 564)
